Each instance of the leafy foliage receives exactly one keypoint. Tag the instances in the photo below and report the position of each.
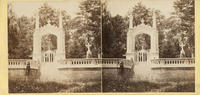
(185, 13)
(21, 30)
(93, 17)
(91, 24)
(113, 34)
(19, 34)
(168, 42)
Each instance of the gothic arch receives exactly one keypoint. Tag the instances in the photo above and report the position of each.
(145, 29)
(45, 30)
(139, 34)
(142, 29)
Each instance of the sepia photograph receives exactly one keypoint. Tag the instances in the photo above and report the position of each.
(54, 46)
(101, 46)
(154, 43)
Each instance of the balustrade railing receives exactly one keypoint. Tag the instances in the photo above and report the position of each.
(111, 60)
(91, 61)
(22, 63)
(173, 62)
(96, 62)
(77, 62)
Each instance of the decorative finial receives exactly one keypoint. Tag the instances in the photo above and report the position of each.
(48, 22)
(142, 47)
(184, 32)
(142, 21)
(130, 21)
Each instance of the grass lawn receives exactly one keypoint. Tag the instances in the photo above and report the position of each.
(21, 86)
(145, 86)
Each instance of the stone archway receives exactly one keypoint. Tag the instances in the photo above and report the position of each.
(46, 30)
(49, 48)
(142, 29)
(142, 47)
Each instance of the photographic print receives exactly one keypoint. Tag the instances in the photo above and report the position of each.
(156, 37)
(54, 46)
(101, 46)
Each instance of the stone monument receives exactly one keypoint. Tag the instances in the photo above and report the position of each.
(46, 30)
(131, 53)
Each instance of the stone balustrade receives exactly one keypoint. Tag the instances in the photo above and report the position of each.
(111, 60)
(22, 63)
(93, 62)
(73, 63)
(104, 62)
(173, 62)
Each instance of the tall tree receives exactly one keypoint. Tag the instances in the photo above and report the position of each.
(90, 25)
(114, 31)
(19, 35)
(184, 9)
(12, 32)
(21, 29)
(107, 34)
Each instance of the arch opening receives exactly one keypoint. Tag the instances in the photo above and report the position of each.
(48, 41)
(48, 48)
(142, 40)
(142, 47)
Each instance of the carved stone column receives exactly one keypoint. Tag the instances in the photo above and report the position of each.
(36, 46)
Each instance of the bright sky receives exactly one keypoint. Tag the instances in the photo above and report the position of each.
(30, 8)
(122, 7)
